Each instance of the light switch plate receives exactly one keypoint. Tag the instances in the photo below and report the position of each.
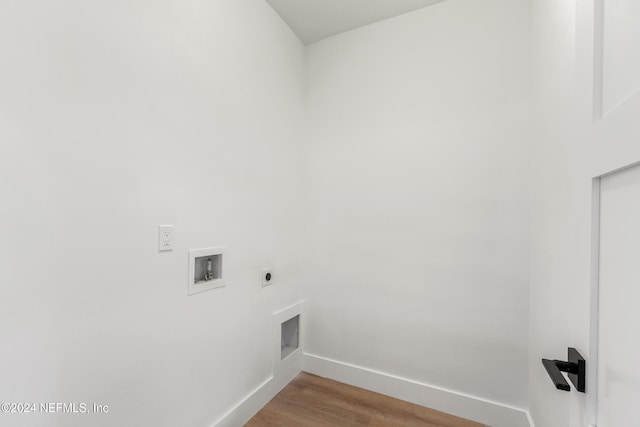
(165, 238)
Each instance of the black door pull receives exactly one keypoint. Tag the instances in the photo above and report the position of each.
(576, 367)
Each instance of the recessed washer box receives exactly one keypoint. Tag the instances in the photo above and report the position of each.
(206, 269)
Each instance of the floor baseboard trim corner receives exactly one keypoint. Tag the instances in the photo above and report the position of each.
(250, 405)
(530, 419)
(484, 411)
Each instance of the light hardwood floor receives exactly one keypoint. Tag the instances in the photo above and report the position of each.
(312, 401)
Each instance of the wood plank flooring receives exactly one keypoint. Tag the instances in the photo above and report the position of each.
(312, 401)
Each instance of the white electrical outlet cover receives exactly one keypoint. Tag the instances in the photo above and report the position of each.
(267, 273)
(165, 238)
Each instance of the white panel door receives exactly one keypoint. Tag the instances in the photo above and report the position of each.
(618, 394)
(607, 108)
(617, 143)
(621, 47)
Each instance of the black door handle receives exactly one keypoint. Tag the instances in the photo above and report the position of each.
(576, 367)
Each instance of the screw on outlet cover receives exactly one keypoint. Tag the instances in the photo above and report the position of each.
(268, 277)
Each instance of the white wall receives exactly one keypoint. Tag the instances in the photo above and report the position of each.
(120, 116)
(418, 223)
(116, 117)
(560, 213)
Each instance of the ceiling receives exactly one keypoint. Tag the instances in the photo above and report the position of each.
(314, 20)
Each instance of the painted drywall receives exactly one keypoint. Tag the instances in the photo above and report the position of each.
(417, 257)
(560, 214)
(116, 117)
(314, 20)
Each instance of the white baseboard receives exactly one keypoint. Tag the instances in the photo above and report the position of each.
(283, 371)
(462, 405)
(490, 413)
(244, 410)
(530, 419)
